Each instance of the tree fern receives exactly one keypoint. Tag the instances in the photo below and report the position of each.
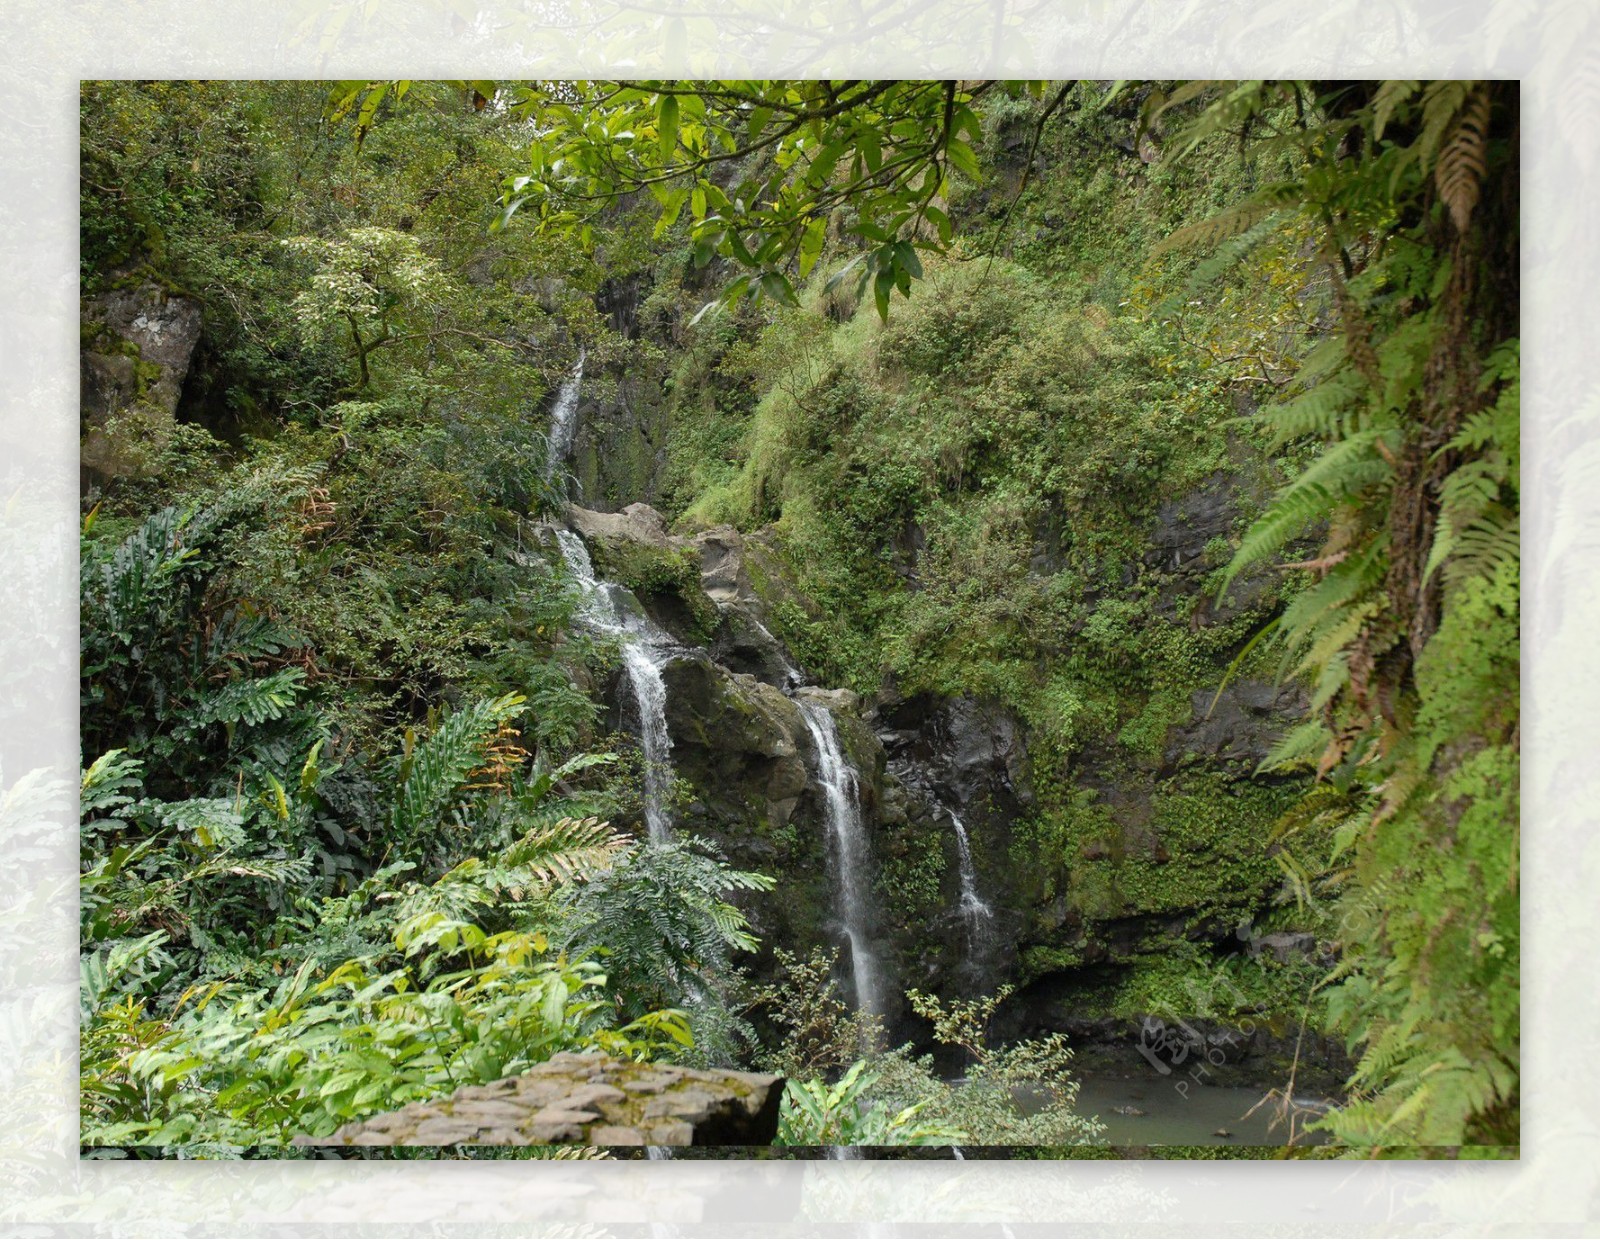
(664, 922)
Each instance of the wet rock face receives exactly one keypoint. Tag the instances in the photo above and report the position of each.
(1185, 547)
(740, 742)
(633, 549)
(592, 1100)
(744, 644)
(1185, 526)
(619, 447)
(970, 753)
(1238, 732)
(957, 756)
(729, 565)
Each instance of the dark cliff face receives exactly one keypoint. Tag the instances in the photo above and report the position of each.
(619, 453)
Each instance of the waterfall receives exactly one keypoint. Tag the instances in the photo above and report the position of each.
(650, 700)
(851, 857)
(977, 915)
(645, 651)
(563, 420)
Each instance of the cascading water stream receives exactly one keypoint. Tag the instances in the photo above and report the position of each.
(847, 838)
(977, 914)
(564, 419)
(645, 650)
(650, 699)
(609, 609)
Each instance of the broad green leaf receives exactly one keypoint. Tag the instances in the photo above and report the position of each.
(667, 126)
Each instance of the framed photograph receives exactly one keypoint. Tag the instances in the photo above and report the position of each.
(800, 619)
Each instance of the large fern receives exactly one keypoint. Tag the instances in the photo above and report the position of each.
(1406, 624)
(664, 921)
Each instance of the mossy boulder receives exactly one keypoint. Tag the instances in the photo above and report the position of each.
(137, 343)
(633, 549)
(740, 744)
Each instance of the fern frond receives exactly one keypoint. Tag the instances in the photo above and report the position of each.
(1496, 426)
(1463, 160)
(211, 821)
(1342, 472)
(1397, 791)
(1237, 219)
(1491, 544)
(1298, 747)
(108, 781)
(1441, 102)
(1326, 644)
(439, 765)
(251, 701)
(241, 637)
(567, 851)
(1345, 583)
(1227, 256)
(1391, 95)
(1329, 409)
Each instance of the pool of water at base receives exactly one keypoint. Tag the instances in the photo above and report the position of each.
(1177, 1110)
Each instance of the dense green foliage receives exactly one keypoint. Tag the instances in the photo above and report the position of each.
(984, 356)
(1409, 627)
(340, 771)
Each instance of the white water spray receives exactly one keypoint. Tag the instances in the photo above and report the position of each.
(977, 915)
(564, 420)
(650, 700)
(851, 857)
(645, 650)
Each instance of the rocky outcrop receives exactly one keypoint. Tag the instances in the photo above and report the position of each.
(702, 590)
(743, 748)
(1161, 844)
(1234, 730)
(594, 1100)
(1192, 537)
(723, 575)
(743, 643)
(741, 744)
(970, 753)
(619, 450)
(138, 342)
(637, 523)
(633, 549)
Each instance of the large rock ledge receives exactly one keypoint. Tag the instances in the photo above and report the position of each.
(585, 1100)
